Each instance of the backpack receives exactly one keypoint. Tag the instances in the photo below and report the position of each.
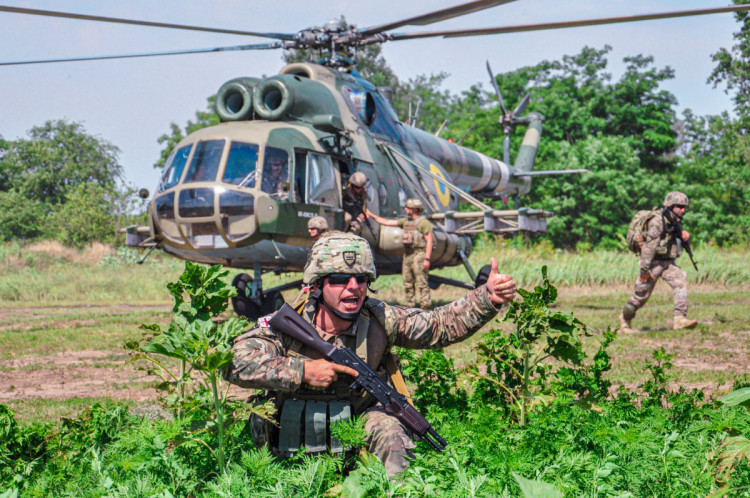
(637, 229)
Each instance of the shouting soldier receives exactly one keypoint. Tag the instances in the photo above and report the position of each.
(303, 383)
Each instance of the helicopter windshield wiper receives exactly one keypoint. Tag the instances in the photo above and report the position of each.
(246, 180)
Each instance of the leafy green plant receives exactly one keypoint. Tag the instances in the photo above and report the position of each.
(656, 386)
(734, 449)
(201, 344)
(435, 378)
(350, 433)
(518, 363)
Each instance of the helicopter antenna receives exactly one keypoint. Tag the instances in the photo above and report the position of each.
(467, 133)
(437, 133)
(413, 118)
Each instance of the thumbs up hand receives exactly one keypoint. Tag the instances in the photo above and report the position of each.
(500, 287)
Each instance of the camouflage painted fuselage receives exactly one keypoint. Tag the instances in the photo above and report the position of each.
(220, 199)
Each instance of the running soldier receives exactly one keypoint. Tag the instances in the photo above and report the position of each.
(663, 244)
(418, 243)
(309, 391)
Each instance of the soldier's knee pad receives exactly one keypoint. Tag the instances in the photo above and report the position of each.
(628, 311)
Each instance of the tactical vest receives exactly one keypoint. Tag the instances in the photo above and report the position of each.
(669, 246)
(304, 416)
(411, 237)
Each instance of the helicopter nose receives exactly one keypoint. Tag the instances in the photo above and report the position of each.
(207, 217)
(237, 212)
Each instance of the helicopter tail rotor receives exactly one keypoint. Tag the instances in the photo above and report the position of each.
(508, 120)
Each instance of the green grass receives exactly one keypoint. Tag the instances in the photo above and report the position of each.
(67, 303)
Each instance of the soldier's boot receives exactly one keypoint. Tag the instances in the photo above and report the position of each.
(683, 322)
(627, 315)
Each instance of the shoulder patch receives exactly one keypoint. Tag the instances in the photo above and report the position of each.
(263, 321)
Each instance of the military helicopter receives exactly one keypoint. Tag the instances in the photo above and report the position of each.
(241, 193)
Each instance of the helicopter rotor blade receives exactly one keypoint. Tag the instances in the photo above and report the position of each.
(521, 106)
(85, 17)
(436, 16)
(259, 46)
(564, 24)
(497, 88)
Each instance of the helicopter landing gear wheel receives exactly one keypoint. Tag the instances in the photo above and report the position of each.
(482, 276)
(272, 302)
(243, 305)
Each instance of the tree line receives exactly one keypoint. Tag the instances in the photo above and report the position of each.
(65, 184)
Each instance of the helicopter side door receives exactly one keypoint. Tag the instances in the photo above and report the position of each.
(316, 190)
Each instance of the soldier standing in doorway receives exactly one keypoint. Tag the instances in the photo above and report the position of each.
(355, 203)
(664, 239)
(418, 243)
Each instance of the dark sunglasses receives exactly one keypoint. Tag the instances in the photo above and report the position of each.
(344, 278)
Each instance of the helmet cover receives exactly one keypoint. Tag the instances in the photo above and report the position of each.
(358, 179)
(339, 252)
(675, 199)
(317, 222)
(414, 203)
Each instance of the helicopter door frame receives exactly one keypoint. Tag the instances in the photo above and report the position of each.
(309, 199)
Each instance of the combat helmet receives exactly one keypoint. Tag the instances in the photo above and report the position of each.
(339, 252)
(358, 179)
(317, 222)
(675, 199)
(414, 204)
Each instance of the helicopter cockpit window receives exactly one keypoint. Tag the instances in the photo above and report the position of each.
(205, 162)
(241, 163)
(275, 180)
(175, 165)
(321, 181)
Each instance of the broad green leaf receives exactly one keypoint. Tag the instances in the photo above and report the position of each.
(738, 397)
(536, 489)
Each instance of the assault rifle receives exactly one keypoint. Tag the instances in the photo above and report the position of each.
(686, 246)
(288, 322)
(676, 230)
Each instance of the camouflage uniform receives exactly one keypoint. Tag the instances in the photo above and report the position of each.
(267, 359)
(414, 275)
(353, 205)
(272, 185)
(658, 256)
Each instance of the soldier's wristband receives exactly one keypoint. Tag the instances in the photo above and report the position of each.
(426, 259)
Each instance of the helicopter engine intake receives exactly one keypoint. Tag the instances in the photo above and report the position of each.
(292, 96)
(234, 100)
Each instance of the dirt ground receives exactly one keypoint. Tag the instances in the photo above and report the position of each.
(75, 374)
(105, 373)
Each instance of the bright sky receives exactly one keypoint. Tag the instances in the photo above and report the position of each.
(132, 102)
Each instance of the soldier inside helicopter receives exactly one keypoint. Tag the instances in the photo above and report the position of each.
(275, 180)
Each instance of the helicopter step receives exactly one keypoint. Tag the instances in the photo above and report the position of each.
(252, 302)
